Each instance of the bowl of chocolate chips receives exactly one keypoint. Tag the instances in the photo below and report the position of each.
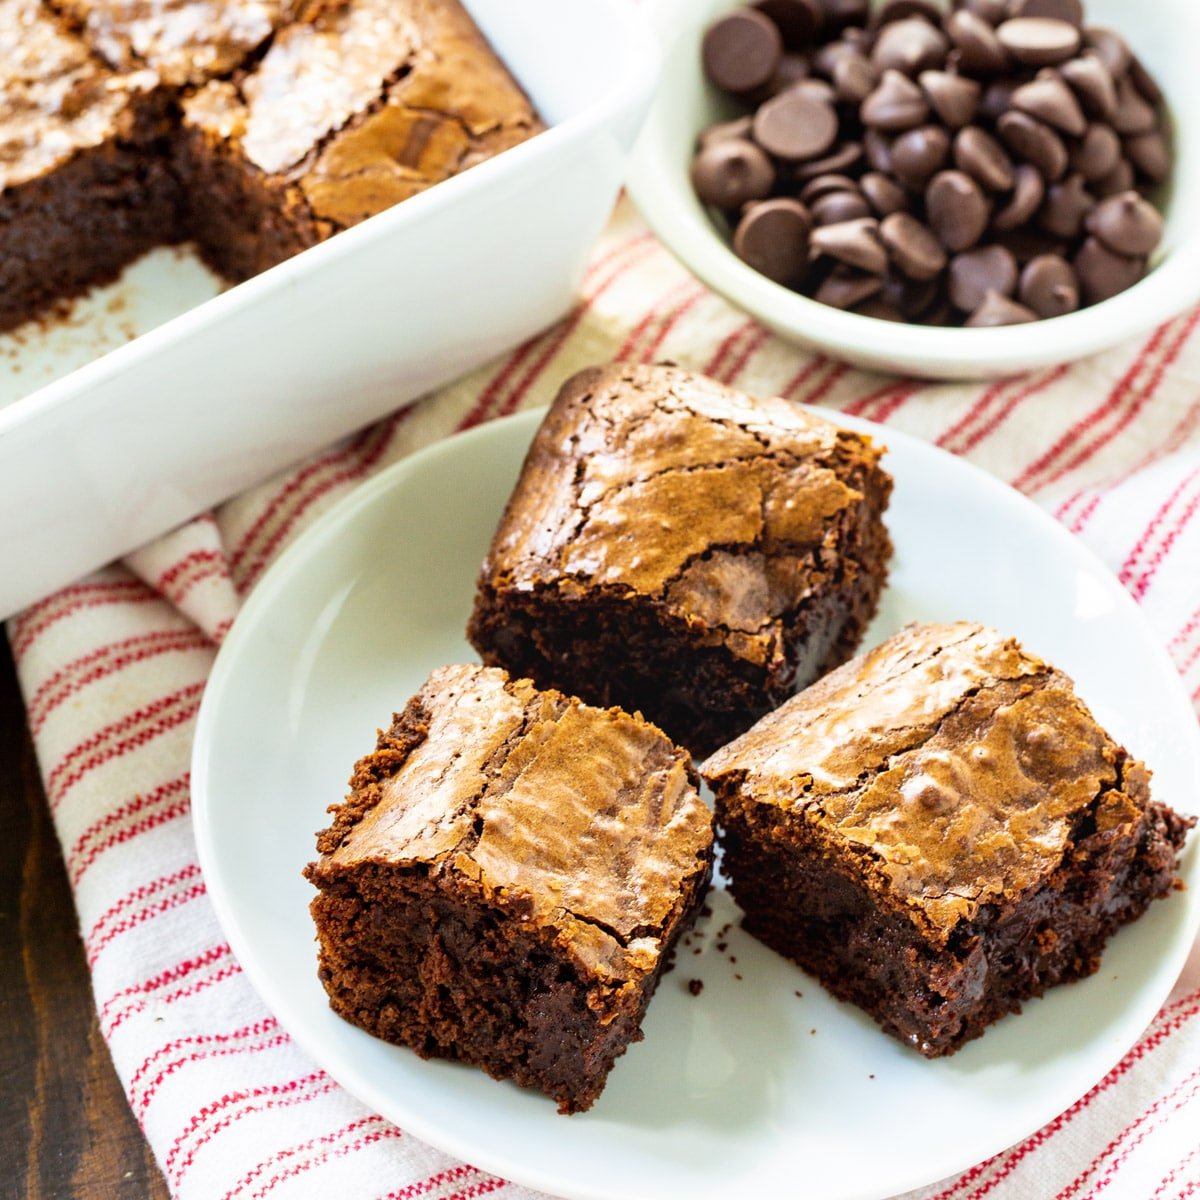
(943, 188)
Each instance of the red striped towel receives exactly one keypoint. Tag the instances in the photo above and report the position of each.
(113, 669)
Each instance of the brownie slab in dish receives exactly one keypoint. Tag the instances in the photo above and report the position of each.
(681, 549)
(505, 882)
(939, 830)
(352, 109)
(84, 184)
(255, 128)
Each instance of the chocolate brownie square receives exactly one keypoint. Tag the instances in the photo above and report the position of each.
(681, 549)
(355, 106)
(506, 880)
(940, 830)
(84, 185)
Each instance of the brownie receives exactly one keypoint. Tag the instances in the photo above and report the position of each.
(354, 109)
(84, 185)
(506, 880)
(939, 830)
(681, 549)
(255, 128)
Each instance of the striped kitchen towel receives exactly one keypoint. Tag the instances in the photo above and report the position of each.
(113, 670)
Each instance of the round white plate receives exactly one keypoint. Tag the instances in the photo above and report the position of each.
(762, 1080)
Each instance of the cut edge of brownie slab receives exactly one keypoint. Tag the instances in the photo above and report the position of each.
(681, 549)
(940, 830)
(84, 183)
(505, 883)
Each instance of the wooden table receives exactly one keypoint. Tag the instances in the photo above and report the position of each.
(67, 1130)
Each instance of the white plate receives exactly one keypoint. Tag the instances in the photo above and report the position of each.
(747, 1086)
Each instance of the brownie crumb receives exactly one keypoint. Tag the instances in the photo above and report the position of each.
(695, 986)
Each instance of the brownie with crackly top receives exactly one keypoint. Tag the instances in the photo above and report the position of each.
(940, 830)
(355, 106)
(681, 549)
(506, 880)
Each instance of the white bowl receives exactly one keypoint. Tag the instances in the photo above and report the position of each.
(139, 441)
(1164, 34)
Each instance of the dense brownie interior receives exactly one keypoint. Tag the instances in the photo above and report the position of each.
(677, 548)
(940, 830)
(507, 878)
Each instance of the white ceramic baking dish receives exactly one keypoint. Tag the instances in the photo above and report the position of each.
(100, 461)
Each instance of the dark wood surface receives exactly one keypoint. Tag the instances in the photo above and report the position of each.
(66, 1131)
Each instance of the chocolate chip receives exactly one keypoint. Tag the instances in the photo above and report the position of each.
(1150, 153)
(896, 104)
(1066, 206)
(914, 298)
(822, 185)
(1070, 11)
(792, 69)
(919, 154)
(912, 247)
(979, 48)
(1048, 286)
(1050, 100)
(795, 126)
(826, 59)
(1039, 41)
(1134, 112)
(844, 288)
(898, 10)
(1120, 180)
(996, 311)
(730, 171)
(977, 272)
(1103, 274)
(773, 238)
(854, 78)
(1029, 191)
(957, 210)
(1093, 84)
(1126, 224)
(1035, 143)
(739, 127)
(909, 46)
(841, 158)
(983, 158)
(954, 98)
(741, 51)
(837, 207)
(878, 149)
(798, 21)
(884, 195)
(1111, 49)
(1097, 153)
(854, 244)
(817, 90)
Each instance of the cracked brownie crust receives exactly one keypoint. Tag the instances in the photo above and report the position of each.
(940, 830)
(678, 548)
(506, 880)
